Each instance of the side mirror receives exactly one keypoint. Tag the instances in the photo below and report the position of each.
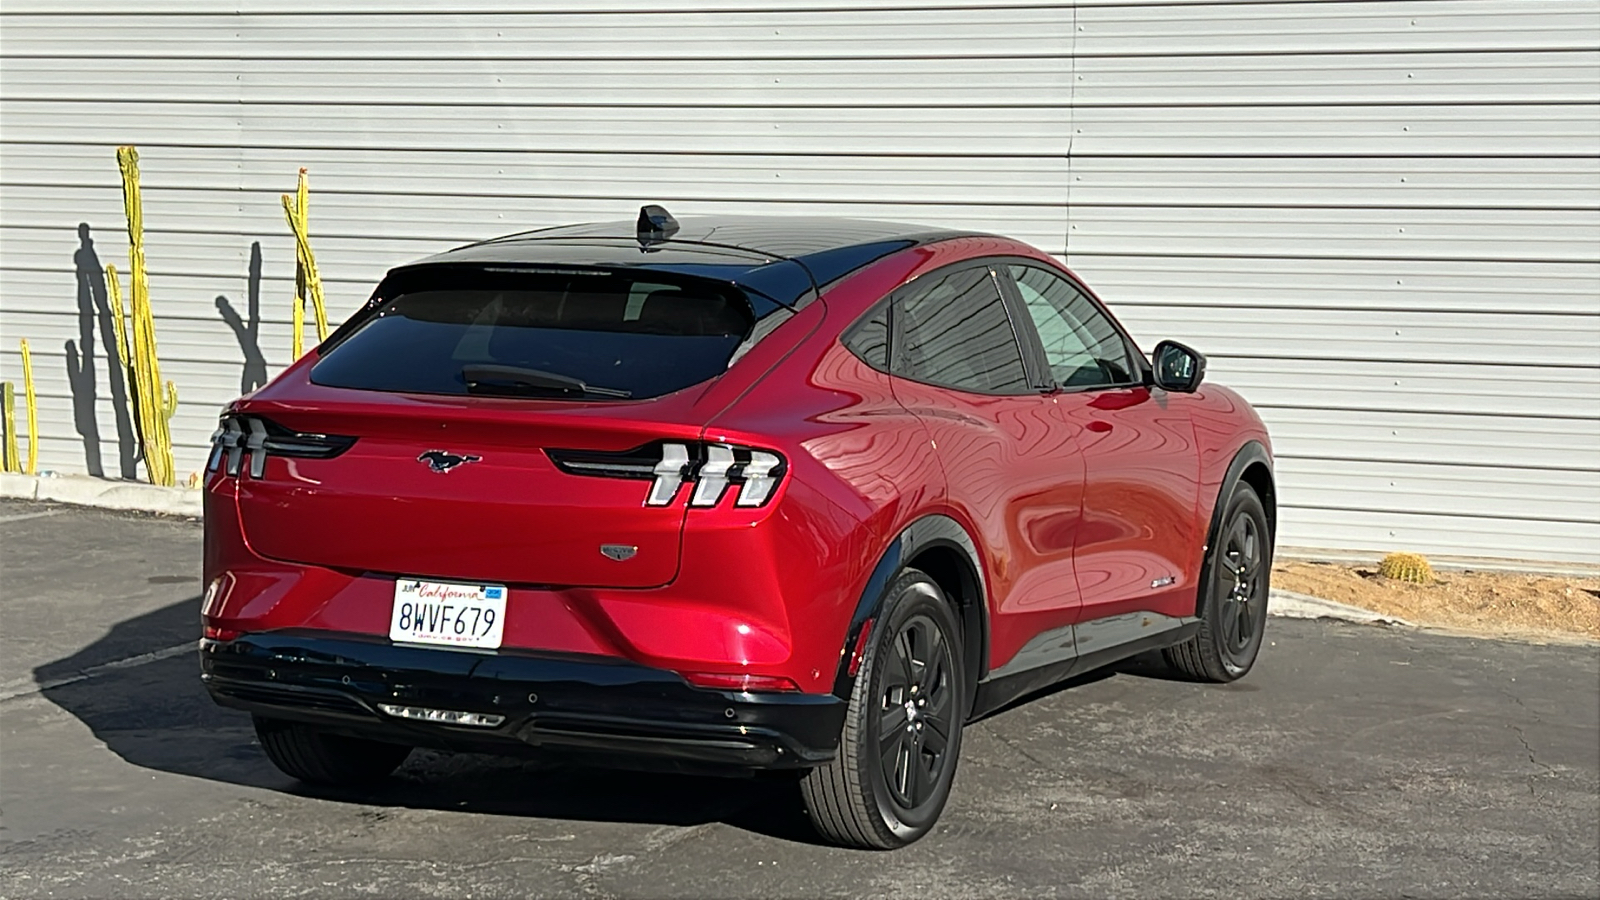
(1177, 368)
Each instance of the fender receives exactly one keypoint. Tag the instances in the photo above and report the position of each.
(1252, 452)
(928, 532)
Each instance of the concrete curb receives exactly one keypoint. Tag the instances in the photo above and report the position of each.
(85, 490)
(1291, 605)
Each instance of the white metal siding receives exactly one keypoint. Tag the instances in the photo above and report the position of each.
(1381, 220)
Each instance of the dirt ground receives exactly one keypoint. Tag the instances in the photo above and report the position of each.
(1483, 602)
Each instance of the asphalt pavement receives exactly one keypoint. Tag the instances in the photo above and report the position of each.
(1355, 761)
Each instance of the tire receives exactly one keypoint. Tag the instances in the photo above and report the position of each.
(888, 783)
(317, 757)
(1233, 610)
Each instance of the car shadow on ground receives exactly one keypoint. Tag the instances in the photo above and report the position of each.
(158, 716)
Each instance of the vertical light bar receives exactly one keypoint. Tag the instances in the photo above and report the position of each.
(256, 447)
(214, 461)
(758, 481)
(713, 478)
(234, 441)
(669, 474)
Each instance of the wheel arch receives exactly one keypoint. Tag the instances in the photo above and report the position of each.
(1251, 465)
(939, 546)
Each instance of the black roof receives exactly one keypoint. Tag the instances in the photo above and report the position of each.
(781, 257)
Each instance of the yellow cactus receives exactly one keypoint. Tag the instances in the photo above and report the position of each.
(1412, 567)
(33, 409)
(119, 318)
(154, 407)
(169, 402)
(8, 392)
(307, 283)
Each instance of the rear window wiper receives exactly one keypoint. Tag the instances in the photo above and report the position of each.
(488, 378)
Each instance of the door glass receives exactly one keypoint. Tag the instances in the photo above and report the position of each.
(952, 330)
(1081, 345)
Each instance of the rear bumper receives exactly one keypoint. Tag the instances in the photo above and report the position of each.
(614, 712)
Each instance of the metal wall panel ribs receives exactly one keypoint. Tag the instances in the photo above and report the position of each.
(1380, 217)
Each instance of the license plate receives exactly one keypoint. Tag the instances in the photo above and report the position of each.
(455, 615)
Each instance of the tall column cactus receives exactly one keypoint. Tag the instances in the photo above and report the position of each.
(10, 454)
(33, 410)
(155, 403)
(8, 398)
(307, 283)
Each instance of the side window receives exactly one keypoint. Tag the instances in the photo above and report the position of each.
(1081, 345)
(869, 339)
(952, 330)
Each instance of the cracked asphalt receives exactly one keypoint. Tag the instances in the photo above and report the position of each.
(1356, 761)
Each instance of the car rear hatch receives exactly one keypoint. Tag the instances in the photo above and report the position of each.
(428, 440)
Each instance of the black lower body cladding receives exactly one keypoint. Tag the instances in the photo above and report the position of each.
(617, 713)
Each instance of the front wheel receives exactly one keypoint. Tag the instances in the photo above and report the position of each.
(1233, 610)
(902, 734)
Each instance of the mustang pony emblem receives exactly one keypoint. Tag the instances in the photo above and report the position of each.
(444, 460)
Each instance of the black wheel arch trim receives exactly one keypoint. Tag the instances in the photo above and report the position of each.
(927, 533)
(1252, 453)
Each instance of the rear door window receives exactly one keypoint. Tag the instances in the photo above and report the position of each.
(951, 329)
(563, 335)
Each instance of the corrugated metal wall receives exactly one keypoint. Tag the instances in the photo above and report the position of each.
(1381, 220)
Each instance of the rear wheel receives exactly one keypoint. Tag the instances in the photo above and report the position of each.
(315, 756)
(902, 734)
(1233, 612)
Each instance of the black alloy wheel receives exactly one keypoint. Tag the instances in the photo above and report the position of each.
(917, 712)
(1242, 612)
(1233, 605)
(902, 734)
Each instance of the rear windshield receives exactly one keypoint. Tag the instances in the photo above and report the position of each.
(562, 335)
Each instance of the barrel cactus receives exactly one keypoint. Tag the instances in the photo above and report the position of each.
(1412, 567)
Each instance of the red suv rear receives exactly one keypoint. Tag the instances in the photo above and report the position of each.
(735, 495)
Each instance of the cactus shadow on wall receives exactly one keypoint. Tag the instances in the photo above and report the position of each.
(95, 319)
(248, 331)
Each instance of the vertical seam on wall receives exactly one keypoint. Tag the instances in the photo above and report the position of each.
(241, 89)
(1072, 99)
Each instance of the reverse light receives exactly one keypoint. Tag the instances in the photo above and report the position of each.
(723, 681)
(712, 468)
(442, 716)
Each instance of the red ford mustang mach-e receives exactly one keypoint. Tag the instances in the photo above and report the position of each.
(735, 494)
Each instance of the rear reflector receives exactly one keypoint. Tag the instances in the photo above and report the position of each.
(859, 652)
(442, 716)
(724, 682)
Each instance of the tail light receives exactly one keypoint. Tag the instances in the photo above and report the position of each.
(243, 441)
(711, 468)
